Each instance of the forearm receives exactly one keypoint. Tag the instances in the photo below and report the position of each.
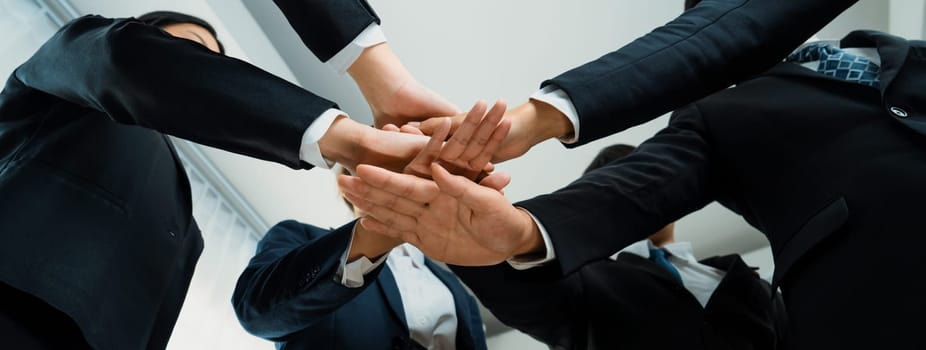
(137, 74)
(708, 48)
(666, 178)
(378, 71)
(290, 284)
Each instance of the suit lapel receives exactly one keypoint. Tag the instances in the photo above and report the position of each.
(737, 281)
(893, 51)
(390, 290)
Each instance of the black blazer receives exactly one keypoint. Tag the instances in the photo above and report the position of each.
(289, 294)
(632, 303)
(95, 214)
(707, 48)
(826, 169)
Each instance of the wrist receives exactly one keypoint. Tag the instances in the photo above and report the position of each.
(370, 245)
(340, 142)
(545, 121)
(532, 241)
(550, 122)
(378, 73)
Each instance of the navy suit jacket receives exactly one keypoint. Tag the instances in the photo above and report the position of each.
(709, 47)
(830, 171)
(289, 294)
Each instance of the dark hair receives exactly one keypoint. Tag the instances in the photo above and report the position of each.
(609, 154)
(691, 3)
(162, 19)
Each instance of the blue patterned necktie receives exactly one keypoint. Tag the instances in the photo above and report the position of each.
(840, 64)
(659, 256)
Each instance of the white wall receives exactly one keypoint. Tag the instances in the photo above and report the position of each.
(25, 27)
(906, 18)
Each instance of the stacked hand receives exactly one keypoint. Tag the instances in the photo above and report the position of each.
(531, 123)
(467, 152)
(450, 218)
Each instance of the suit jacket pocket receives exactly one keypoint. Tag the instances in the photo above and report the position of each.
(829, 219)
(78, 184)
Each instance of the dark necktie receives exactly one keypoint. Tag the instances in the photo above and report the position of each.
(840, 64)
(659, 256)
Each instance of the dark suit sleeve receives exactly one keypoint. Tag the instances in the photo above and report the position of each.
(607, 209)
(539, 301)
(290, 283)
(710, 47)
(138, 74)
(327, 26)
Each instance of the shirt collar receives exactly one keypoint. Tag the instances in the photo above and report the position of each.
(681, 250)
(870, 53)
(410, 251)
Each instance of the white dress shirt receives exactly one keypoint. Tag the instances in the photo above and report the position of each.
(699, 279)
(430, 311)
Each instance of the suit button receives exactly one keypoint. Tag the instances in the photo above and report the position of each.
(899, 112)
(172, 234)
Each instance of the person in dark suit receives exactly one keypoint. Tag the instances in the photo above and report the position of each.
(712, 45)
(653, 294)
(97, 231)
(826, 161)
(402, 300)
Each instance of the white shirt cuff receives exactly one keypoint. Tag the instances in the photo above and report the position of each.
(558, 98)
(351, 275)
(524, 264)
(370, 36)
(309, 151)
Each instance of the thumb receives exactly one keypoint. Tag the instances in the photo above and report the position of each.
(496, 181)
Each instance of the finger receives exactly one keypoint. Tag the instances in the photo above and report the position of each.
(378, 227)
(452, 185)
(421, 165)
(385, 199)
(390, 127)
(412, 130)
(482, 159)
(461, 138)
(484, 133)
(406, 186)
(384, 214)
(496, 181)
